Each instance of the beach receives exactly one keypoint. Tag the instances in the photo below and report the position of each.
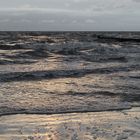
(69, 85)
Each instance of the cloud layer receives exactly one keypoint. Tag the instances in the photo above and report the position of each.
(70, 15)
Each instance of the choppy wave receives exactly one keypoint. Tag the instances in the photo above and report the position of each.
(48, 72)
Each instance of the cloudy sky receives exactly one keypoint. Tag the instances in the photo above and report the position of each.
(62, 15)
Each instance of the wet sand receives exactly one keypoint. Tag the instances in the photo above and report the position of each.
(82, 126)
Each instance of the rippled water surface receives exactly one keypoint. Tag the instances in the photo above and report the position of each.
(49, 73)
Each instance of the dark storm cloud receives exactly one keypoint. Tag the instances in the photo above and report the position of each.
(69, 15)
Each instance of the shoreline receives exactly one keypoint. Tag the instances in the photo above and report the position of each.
(116, 125)
(72, 86)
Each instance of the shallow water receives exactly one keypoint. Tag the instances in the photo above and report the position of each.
(49, 73)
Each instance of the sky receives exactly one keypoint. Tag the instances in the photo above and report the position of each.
(69, 15)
